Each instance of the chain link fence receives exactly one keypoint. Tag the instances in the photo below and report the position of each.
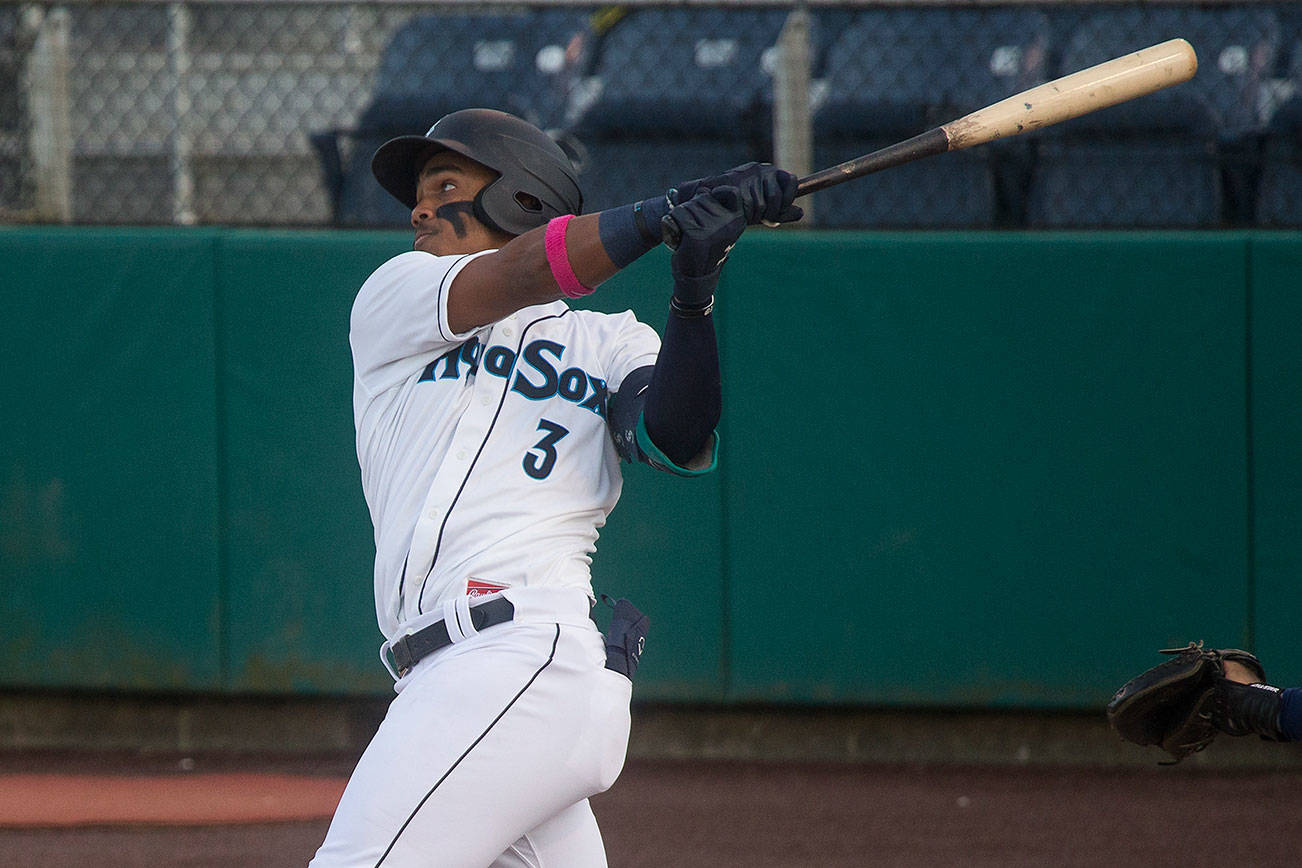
(244, 113)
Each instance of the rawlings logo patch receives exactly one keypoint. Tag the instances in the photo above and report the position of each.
(481, 588)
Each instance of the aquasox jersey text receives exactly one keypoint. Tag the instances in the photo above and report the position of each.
(486, 456)
(537, 378)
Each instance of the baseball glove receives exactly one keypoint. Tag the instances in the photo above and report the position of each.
(1171, 705)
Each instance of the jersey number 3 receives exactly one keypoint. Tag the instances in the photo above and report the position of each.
(539, 467)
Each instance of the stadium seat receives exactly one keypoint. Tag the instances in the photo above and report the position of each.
(896, 72)
(1166, 159)
(435, 64)
(674, 94)
(1279, 201)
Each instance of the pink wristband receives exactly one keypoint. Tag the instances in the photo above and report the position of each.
(559, 259)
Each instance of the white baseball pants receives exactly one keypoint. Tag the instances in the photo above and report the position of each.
(488, 754)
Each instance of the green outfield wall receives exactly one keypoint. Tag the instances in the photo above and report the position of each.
(957, 470)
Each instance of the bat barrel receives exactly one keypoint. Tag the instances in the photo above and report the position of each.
(1107, 84)
(1115, 81)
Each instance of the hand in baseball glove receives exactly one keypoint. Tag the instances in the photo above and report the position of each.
(1173, 704)
(707, 227)
(767, 192)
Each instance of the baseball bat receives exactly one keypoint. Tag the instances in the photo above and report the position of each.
(1111, 82)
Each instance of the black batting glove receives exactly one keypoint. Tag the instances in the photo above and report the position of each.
(706, 227)
(767, 192)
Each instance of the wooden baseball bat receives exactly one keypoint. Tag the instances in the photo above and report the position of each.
(1111, 82)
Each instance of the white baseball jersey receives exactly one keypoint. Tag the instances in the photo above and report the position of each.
(486, 459)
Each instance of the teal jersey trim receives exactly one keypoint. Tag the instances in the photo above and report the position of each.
(660, 461)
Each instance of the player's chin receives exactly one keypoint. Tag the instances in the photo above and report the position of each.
(424, 242)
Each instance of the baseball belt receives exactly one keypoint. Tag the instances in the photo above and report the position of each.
(415, 647)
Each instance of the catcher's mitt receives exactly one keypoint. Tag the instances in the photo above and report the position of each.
(1171, 705)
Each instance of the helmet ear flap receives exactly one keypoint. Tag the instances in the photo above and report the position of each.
(481, 213)
(522, 209)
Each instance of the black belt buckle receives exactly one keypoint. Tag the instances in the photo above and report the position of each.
(401, 657)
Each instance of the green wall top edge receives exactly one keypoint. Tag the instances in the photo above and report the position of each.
(786, 233)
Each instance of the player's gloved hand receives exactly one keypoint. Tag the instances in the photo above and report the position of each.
(1183, 703)
(767, 192)
(707, 226)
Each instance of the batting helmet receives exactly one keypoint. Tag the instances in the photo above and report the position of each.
(536, 180)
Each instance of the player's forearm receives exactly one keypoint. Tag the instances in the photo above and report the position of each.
(684, 401)
(596, 246)
(684, 404)
(571, 258)
(527, 276)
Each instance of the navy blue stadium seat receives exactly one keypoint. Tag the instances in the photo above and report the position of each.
(434, 64)
(508, 60)
(895, 72)
(1279, 200)
(674, 94)
(1163, 160)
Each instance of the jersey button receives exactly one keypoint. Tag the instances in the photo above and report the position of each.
(461, 455)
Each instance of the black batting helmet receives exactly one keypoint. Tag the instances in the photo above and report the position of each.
(536, 180)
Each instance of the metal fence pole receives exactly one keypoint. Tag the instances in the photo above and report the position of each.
(178, 59)
(792, 124)
(51, 123)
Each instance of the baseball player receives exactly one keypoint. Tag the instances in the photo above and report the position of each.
(491, 422)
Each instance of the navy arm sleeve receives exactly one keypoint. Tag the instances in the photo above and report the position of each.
(666, 415)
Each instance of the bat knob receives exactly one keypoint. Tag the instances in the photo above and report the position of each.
(670, 232)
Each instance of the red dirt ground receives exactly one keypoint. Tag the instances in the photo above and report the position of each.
(688, 814)
(28, 800)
